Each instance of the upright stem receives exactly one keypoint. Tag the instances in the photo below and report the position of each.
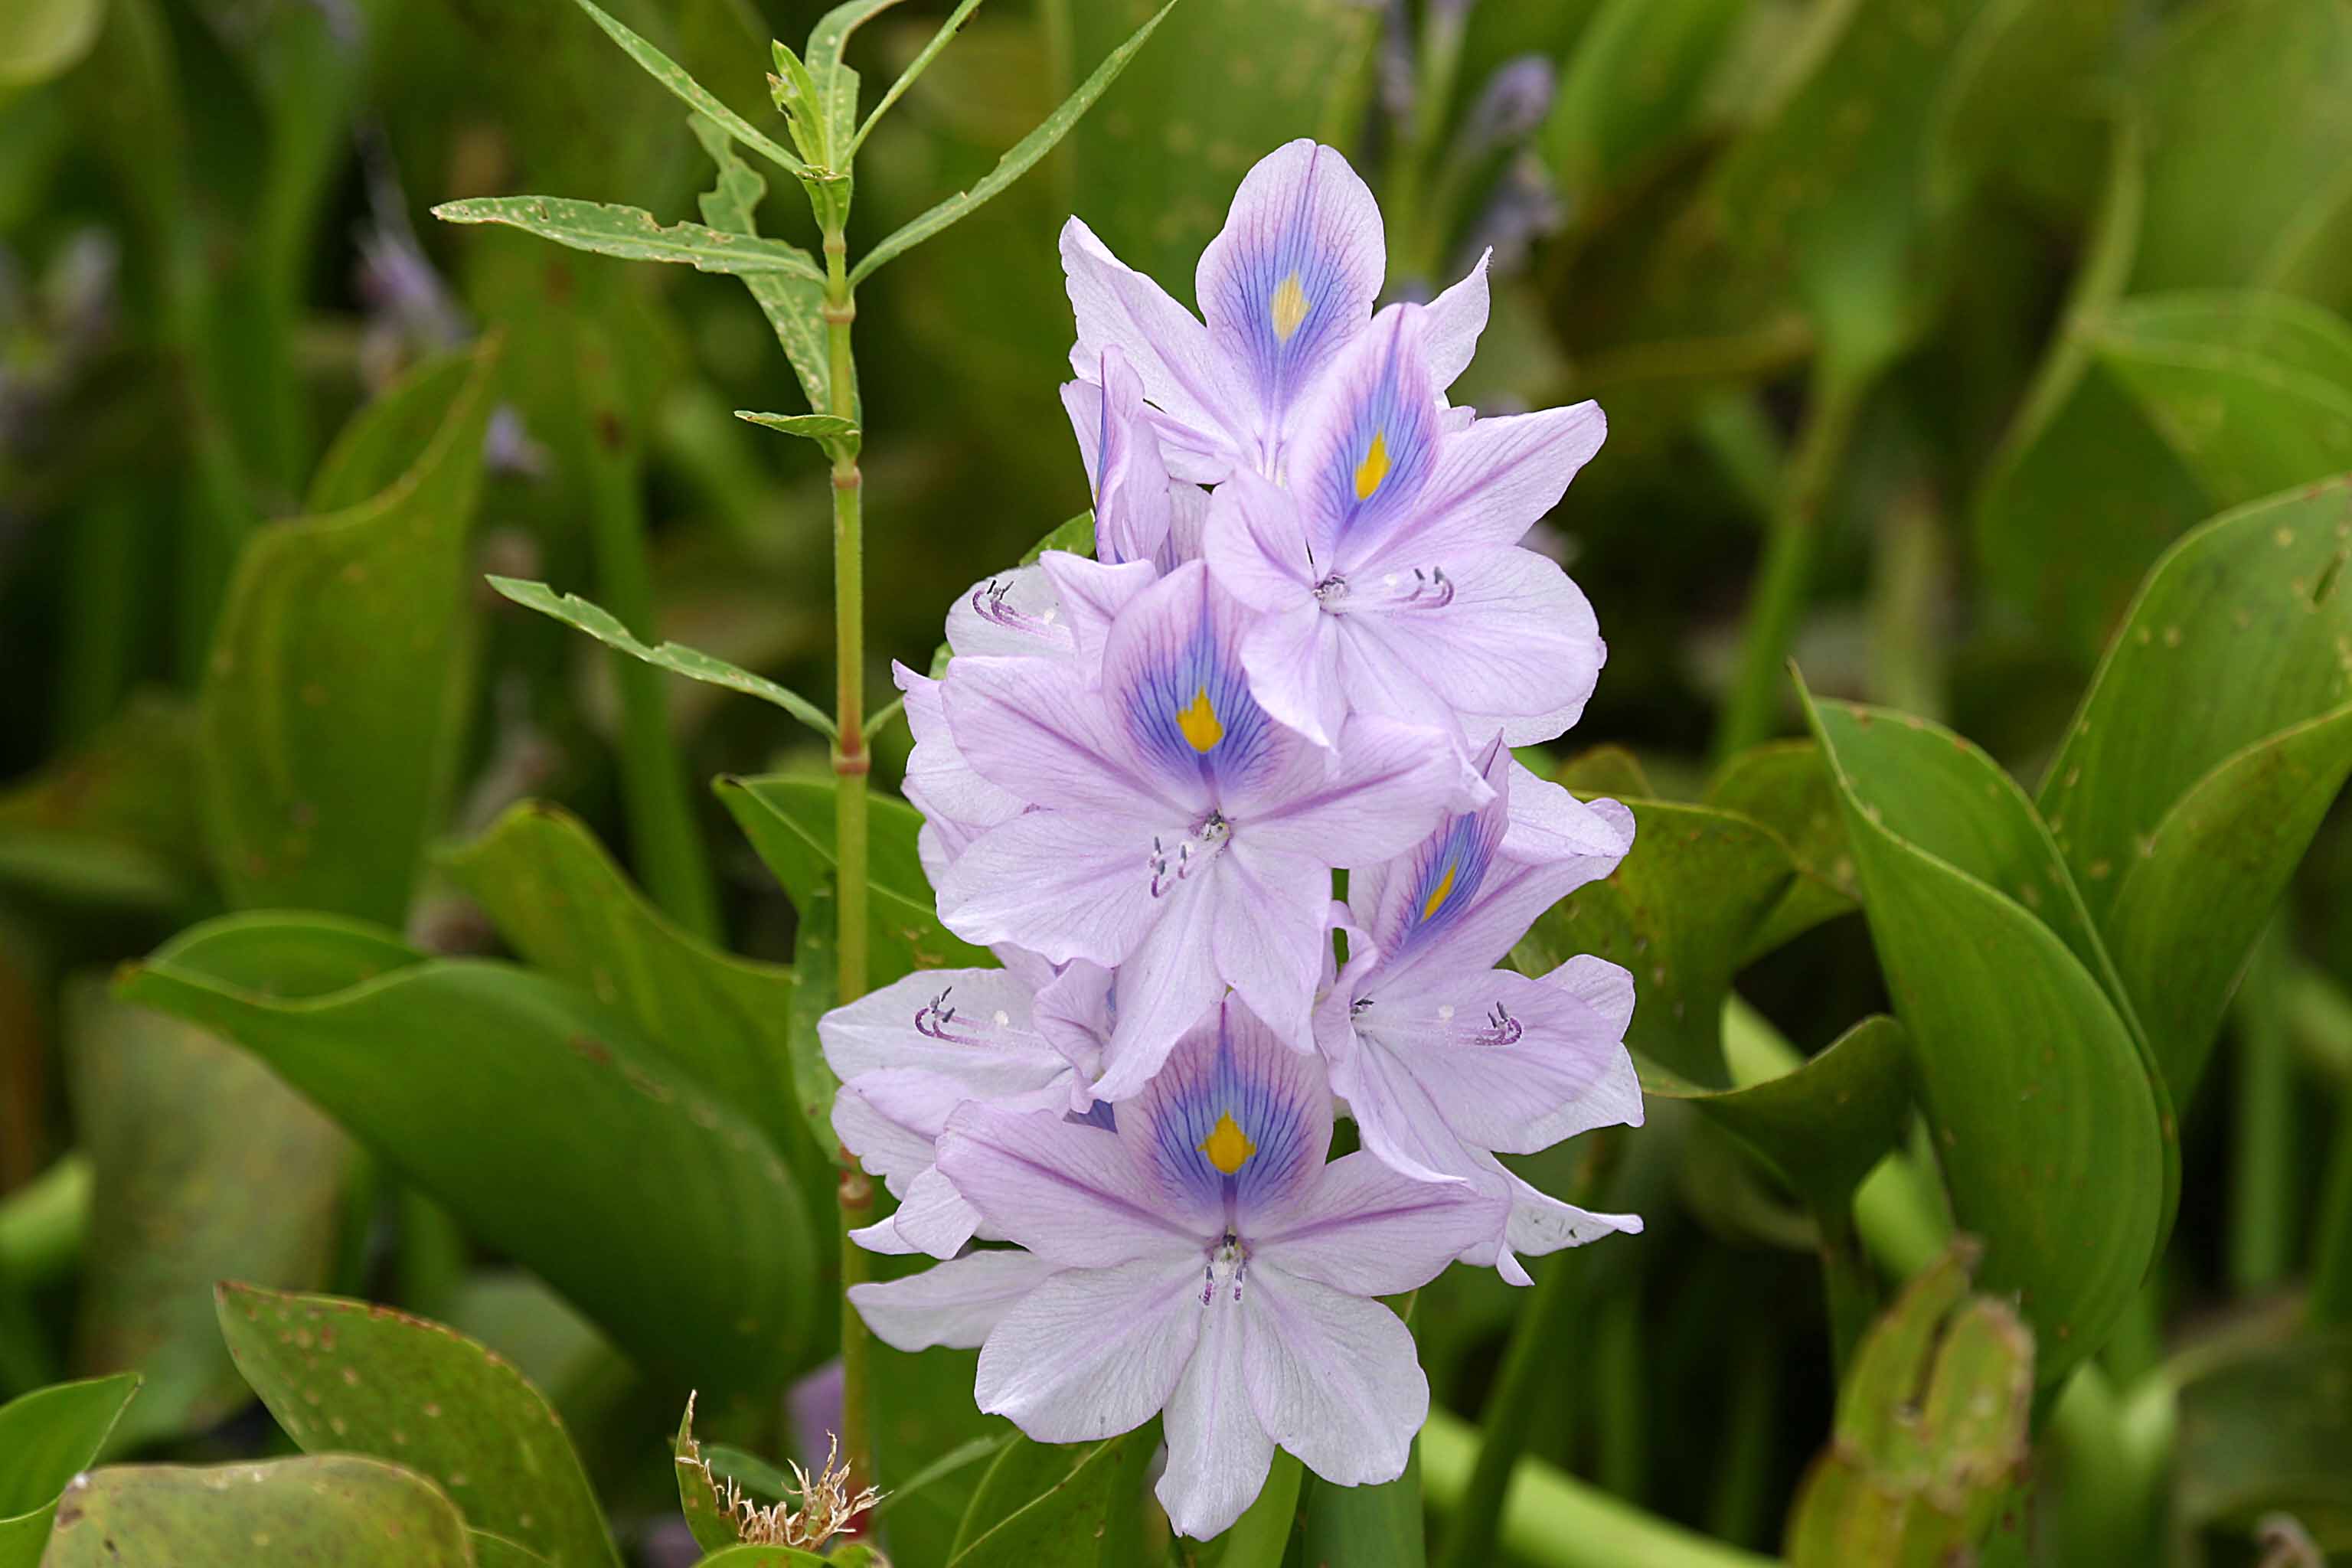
(1531, 1377)
(2262, 1188)
(850, 764)
(2330, 1302)
(1786, 577)
(653, 774)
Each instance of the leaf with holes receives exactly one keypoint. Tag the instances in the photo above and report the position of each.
(353, 1377)
(795, 305)
(2049, 1118)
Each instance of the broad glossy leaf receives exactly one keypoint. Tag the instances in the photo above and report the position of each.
(2251, 392)
(1682, 913)
(691, 93)
(556, 1133)
(2247, 126)
(923, 1411)
(789, 821)
(496, 1551)
(1785, 786)
(2056, 1143)
(2212, 741)
(1015, 163)
(598, 623)
(633, 234)
(183, 1131)
(1152, 172)
(331, 706)
(1049, 1510)
(1822, 1126)
(353, 1377)
(328, 1511)
(50, 1435)
(2266, 1427)
(112, 820)
(561, 902)
(44, 38)
(1931, 1432)
(1377, 1526)
(795, 305)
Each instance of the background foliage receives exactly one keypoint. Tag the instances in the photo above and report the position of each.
(1986, 357)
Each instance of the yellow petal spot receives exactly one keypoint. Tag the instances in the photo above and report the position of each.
(1373, 468)
(1290, 307)
(1227, 1146)
(1200, 722)
(1439, 894)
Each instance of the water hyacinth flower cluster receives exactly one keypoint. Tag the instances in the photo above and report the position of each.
(1305, 643)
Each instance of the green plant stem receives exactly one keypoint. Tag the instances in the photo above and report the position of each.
(1418, 229)
(1907, 577)
(1784, 580)
(1848, 1282)
(1620, 1416)
(1529, 1377)
(850, 766)
(2261, 1185)
(1553, 1520)
(1739, 1510)
(653, 774)
(2331, 1242)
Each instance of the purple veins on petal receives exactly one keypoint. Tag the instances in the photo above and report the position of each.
(1235, 1117)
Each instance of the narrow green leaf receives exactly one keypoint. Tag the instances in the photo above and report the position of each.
(698, 1497)
(50, 1435)
(632, 234)
(1044, 1506)
(482, 1085)
(915, 68)
(2049, 1121)
(1015, 163)
(332, 705)
(2214, 738)
(344, 1376)
(333, 1510)
(961, 1456)
(574, 611)
(836, 84)
(793, 305)
(562, 903)
(816, 426)
(789, 821)
(173, 1121)
(664, 71)
(1822, 1126)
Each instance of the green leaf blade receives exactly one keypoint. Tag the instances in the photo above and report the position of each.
(673, 78)
(336, 1511)
(633, 234)
(1023, 156)
(50, 1435)
(352, 1377)
(601, 623)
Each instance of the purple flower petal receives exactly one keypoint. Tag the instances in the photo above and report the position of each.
(950, 1303)
(1333, 1377)
(1093, 1353)
(1370, 1230)
(1218, 1452)
(1065, 1190)
(1288, 282)
(1206, 410)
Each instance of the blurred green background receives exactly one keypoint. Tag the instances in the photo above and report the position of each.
(1945, 315)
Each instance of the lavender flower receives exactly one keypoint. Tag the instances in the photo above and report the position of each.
(1202, 1260)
